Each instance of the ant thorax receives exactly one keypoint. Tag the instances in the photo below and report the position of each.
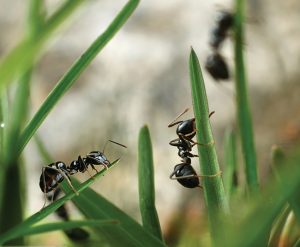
(97, 158)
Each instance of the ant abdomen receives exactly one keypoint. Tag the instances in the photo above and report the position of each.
(186, 175)
(52, 175)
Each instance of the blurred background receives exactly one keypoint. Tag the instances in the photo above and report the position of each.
(142, 77)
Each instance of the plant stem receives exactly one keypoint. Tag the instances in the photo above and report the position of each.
(243, 108)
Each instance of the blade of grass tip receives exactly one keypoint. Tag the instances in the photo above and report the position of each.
(19, 229)
(242, 102)
(288, 231)
(129, 232)
(22, 57)
(74, 72)
(278, 226)
(215, 198)
(146, 184)
(278, 160)
(230, 173)
(264, 208)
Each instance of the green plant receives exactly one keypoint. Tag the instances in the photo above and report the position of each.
(260, 218)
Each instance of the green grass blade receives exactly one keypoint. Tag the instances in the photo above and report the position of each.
(23, 227)
(22, 57)
(278, 160)
(13, 183)
(74, 72)
(48, 227)
(215, 198)
(146, 184)
(243, 106)
(264, 208)
(230, 158)
(47, 158)
(278, 226)
(129, 232)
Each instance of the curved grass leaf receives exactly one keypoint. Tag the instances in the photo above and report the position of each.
(56, 226)
(146, 184)
(74, 72)
(23, 227)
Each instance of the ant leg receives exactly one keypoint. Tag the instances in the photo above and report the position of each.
(45, 194)
(91, 176)
(196, 143)
(193, 176)
(93, 167)
(183, 177)
(174, 122)
(67, 179)
(175, 142)
(210, 114)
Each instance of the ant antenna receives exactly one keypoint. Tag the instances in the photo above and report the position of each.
(114, 143)
(174, 121)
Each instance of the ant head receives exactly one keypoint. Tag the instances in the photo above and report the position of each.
(186, 128)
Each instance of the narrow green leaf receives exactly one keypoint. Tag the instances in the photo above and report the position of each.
(265, 208)
(23, 227)
(277, 226)
(128, 234)
(215, 198)
(242, 101)
(22, 57)
(74, 72)
(278, 160)
(48, 227)
(146, 184)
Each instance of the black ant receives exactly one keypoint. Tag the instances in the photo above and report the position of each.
(184, 172)
(53, 174)
(215, 63)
